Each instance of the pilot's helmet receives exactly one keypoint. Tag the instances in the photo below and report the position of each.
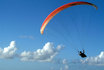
(80, 52)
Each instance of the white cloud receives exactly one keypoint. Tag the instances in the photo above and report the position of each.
(47, 53)
(8, 52)
(98, 60)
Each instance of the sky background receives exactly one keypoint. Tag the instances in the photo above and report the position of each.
(76, 28)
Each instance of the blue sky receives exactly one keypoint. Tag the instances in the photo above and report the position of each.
(77, 27)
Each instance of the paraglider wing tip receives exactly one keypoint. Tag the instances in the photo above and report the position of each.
(95, 6)
(41, 32)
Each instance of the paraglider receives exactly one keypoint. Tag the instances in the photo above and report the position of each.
(57, 10)
(82, 54)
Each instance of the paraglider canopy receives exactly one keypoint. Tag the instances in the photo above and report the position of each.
(57, 10)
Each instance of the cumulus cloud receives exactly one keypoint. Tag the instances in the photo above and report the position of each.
(98, 60)
(8, 52)
(47, 53)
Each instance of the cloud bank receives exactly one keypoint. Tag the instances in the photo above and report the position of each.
(97, 60)
(46, 54)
